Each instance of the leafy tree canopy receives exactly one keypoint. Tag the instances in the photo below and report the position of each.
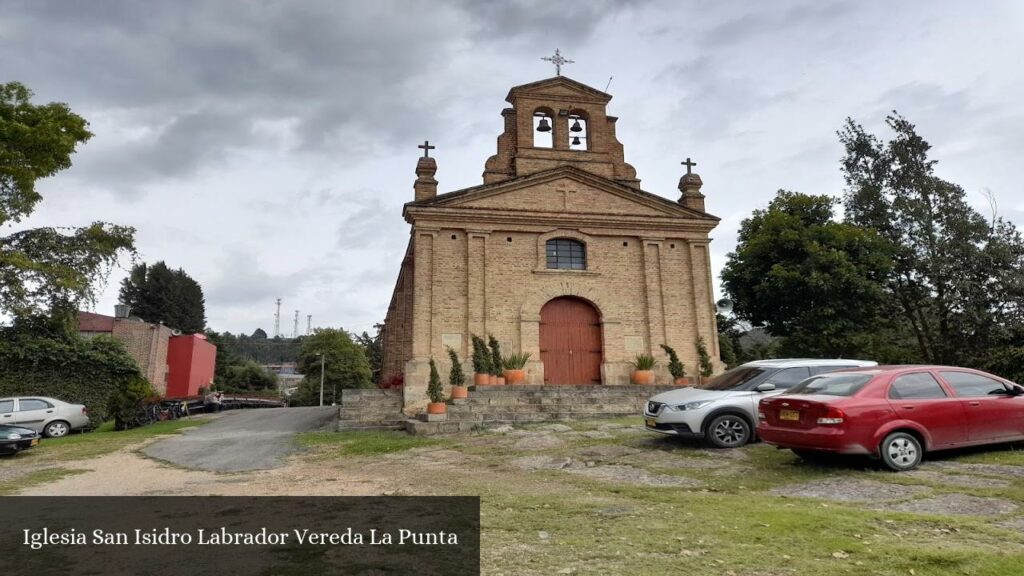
(158, 294)
(344, 361)
(46, 271)
(374, 350)
(957, 279)
(806, 277)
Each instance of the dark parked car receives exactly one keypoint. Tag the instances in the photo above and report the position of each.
(895, 413)
(15, 439)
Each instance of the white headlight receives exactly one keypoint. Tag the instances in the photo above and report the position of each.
(13, 436)
(692, 405)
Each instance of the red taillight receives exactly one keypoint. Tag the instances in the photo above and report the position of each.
(833, 416)
(84, 410)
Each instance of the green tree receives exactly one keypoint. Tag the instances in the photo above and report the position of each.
(704, 359)
(434, 389)
(248, 376)
(127, 401)
(46, 271)
(495, 359)
(455, 376)
(807, 278)
(957, 281)
(158, 294)
(374, 350)
(344, 361)
(259, 334)
(226, 355)
(675, 366)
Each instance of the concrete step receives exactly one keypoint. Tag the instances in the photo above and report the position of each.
(381, 424)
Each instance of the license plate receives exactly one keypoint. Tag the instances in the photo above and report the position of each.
(34, 442)
(789, 415)
(650, 422)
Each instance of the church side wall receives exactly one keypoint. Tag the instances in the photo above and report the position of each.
(398, 327)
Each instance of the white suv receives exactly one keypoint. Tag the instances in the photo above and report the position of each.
(724, 411)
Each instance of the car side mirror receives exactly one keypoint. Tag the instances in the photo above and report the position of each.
(1016, 391)
(766, 387)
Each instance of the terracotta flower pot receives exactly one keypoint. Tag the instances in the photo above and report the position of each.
(437, 408)
(501, 380)
(684, 381)
(481, 379)
(492, 380)
(459, 392)
(515, 377)
(644, 377)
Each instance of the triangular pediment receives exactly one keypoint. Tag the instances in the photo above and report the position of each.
(566, 190)
(559, 87)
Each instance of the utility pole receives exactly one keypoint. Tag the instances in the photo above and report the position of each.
(309, 324)
(277, 319)
(321, 378)
(295, 329)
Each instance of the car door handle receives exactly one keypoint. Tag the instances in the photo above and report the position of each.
(908, 407)
(49, 411)
(975, 403)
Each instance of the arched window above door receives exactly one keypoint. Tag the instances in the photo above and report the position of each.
(566, 254)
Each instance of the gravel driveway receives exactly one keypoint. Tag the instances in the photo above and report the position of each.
(244, 439)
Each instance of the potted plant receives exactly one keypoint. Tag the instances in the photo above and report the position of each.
(456, 378)
(706, 368)
(496, 375)
(481, 361)
(643, 369)
(675, 367)
(435, 392)
(514, 367)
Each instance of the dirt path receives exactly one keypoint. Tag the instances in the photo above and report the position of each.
(129, 473)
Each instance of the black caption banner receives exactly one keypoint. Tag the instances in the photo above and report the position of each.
(264, 536)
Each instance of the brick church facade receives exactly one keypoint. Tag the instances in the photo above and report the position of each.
(559, 253)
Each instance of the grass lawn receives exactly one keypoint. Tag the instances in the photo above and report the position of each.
(362, 443)
(731, 521)
(48, 461)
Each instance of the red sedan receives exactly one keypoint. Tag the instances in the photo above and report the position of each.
(895, 413)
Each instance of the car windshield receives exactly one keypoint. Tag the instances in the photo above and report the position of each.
(832, 384)
(734, 378)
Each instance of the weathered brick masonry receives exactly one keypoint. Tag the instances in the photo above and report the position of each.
(476, 262)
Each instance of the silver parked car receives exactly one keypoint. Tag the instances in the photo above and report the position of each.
(49, 416)
(724, 411)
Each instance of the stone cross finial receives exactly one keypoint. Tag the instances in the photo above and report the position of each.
(426, 147)
(689, 164)
(557, 60)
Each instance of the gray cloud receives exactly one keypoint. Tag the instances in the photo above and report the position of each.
(268, 146)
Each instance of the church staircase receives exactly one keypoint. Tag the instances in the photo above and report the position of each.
(489, 407)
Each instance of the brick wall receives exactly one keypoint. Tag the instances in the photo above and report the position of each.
(147, 344)
(476, 263)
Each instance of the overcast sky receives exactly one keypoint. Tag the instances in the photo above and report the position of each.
(267, 147)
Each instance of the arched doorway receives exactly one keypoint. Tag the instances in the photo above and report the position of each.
(570, 342)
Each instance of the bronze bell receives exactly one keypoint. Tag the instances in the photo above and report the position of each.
(576, 126)
(575, 140)
(544, 126)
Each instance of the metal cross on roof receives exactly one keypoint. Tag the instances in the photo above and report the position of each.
(689, 164)
(426, 147)
(558, 60)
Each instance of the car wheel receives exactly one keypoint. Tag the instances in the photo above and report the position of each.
(56, 429)
(728, 431)
(901, 451)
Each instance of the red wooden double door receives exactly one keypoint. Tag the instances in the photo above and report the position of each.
(570, 342)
